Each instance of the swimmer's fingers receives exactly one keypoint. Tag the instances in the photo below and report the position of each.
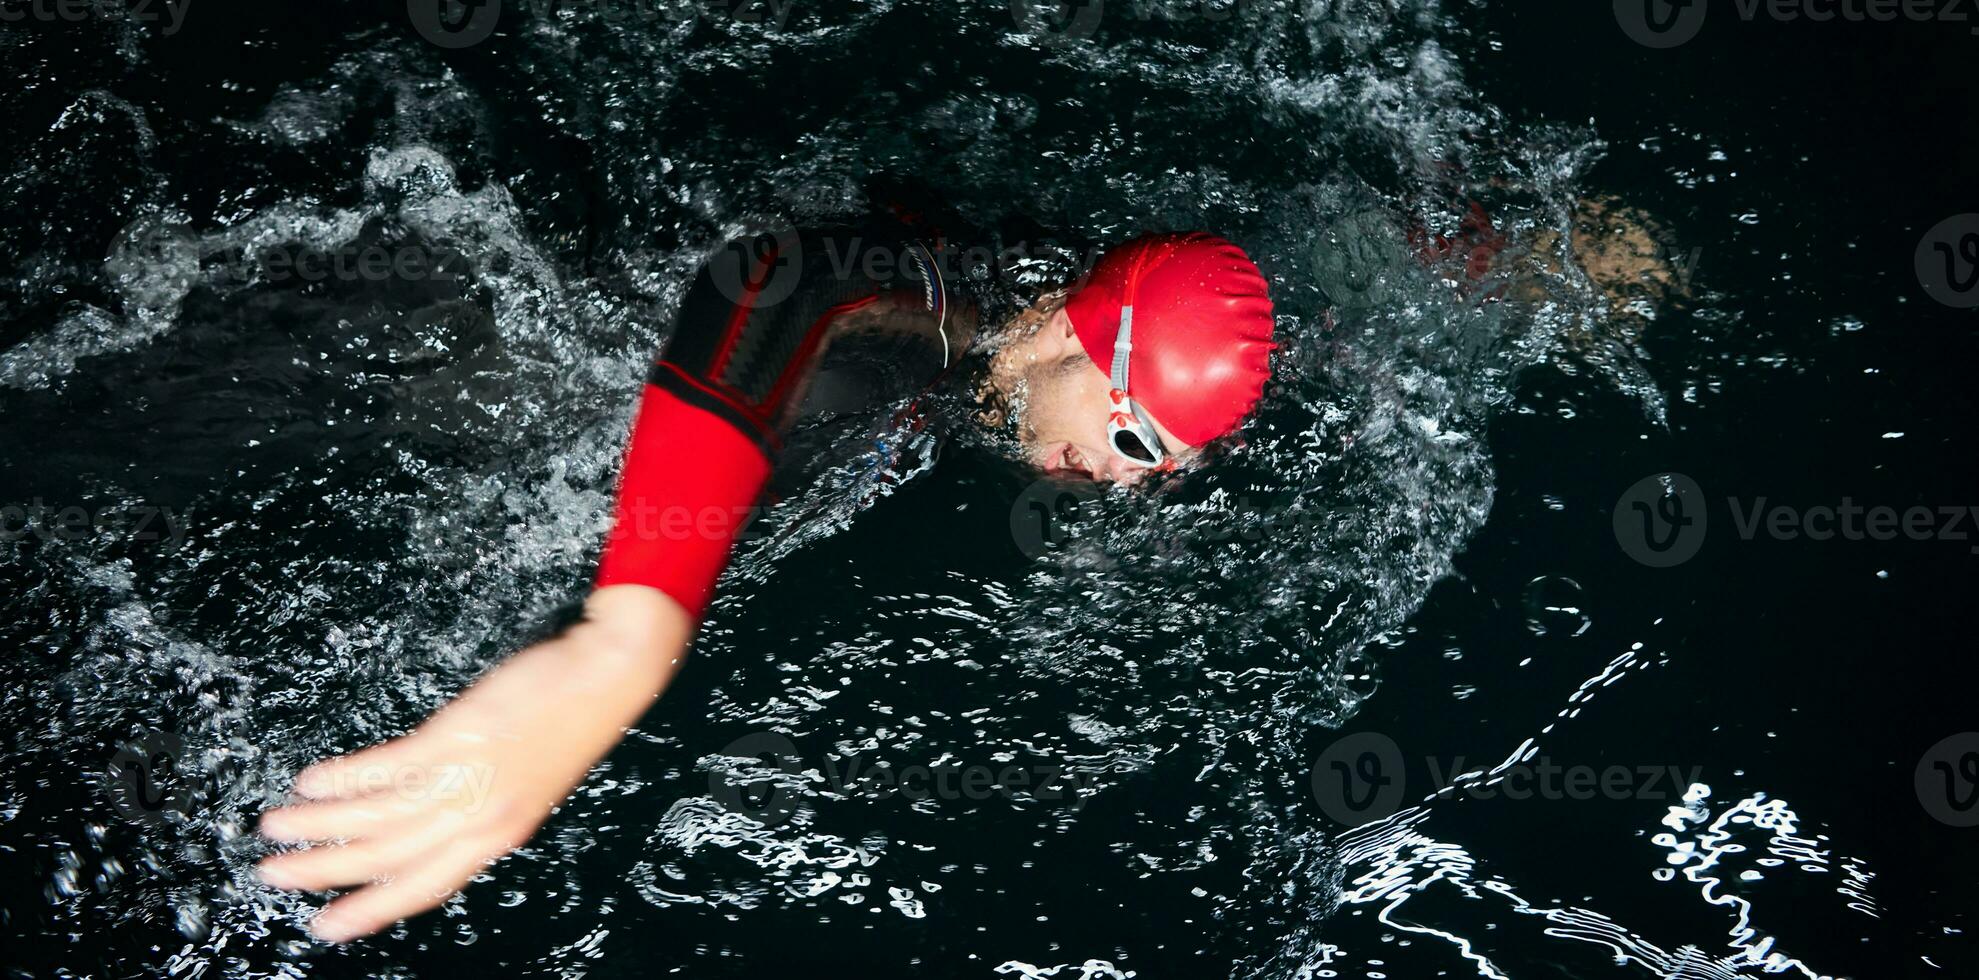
(415, 889)
(358, 774)
(338, 865)
(366, 817)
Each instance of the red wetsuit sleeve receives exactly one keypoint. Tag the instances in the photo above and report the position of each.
(714, 409)
(691, 481)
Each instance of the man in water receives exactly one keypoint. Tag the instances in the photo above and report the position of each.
(1162, 349)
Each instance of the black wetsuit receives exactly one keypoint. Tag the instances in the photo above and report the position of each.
(775, 328)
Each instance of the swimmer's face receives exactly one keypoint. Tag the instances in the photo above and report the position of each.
(1063, 404)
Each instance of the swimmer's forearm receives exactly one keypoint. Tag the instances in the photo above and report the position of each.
(640, 631)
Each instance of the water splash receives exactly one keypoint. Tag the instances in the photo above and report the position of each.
(391, 489)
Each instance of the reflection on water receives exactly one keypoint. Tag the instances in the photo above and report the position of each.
(1394, 862)
(389, 483)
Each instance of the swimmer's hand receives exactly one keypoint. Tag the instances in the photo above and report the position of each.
(413, 819)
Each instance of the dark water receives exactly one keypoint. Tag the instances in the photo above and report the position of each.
(305, 512)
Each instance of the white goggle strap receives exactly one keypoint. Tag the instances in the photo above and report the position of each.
(934, 292)
(1123, 345)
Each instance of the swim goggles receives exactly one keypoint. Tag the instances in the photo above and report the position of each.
(1128, 429)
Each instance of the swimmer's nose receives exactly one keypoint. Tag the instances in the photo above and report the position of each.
(1121, 471)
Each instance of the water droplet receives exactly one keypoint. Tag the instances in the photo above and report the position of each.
(1553, 607)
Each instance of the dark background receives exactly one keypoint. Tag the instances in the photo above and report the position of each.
(1850, 140)
(1790, 660)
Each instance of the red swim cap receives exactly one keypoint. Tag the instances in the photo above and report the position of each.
(1202, 328)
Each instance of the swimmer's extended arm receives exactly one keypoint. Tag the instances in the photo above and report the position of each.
(1619, 249)
(428, 811)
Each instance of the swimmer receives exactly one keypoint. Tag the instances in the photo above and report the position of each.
(1161, 350)
(1157, 353)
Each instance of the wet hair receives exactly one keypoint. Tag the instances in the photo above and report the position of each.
(994, 407)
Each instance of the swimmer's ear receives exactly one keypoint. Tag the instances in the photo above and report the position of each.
(1055, 305)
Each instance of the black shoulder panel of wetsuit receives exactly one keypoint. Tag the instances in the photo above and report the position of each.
(757, 310)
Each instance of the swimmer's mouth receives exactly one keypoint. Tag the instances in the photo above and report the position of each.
(1065, 461)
